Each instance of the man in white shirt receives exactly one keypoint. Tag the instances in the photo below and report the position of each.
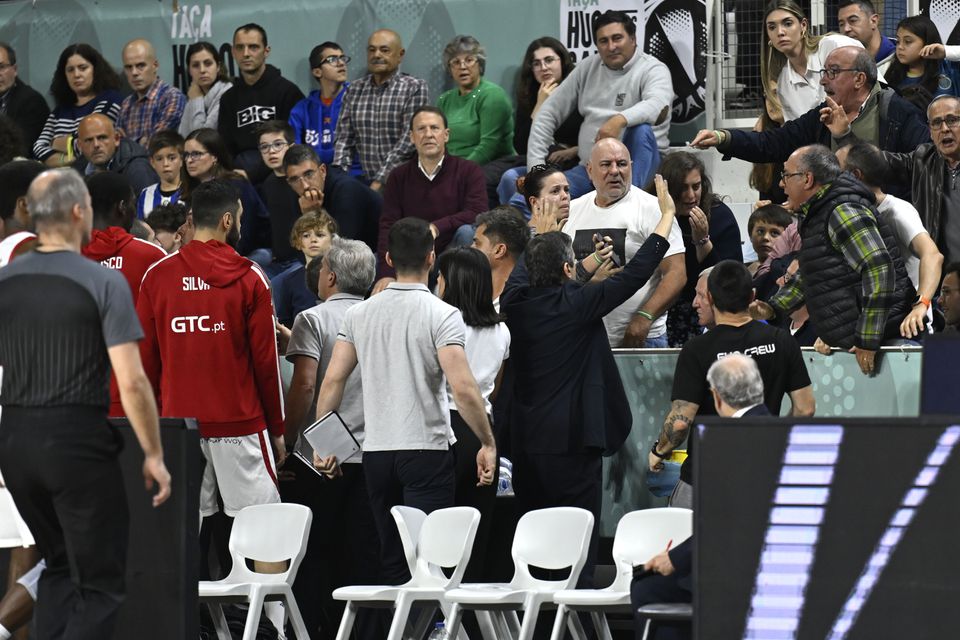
(628, 216)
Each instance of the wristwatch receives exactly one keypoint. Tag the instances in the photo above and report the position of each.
(653, 450)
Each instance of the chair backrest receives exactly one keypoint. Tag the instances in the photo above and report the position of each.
(643, 534)
(409, 522)
(446, 540)
(553, 538)
(269, 533)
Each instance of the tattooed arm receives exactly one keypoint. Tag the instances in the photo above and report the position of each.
(674, 432)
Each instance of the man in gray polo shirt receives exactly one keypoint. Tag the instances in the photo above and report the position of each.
(348, 552)
(406, 341)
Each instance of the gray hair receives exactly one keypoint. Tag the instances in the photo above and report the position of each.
(465, 44)
(737, 380)
(947, 96)
(821, 162)
(865, 64)
(53, 194)
(354, 264)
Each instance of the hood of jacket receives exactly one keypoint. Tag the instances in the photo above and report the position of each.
(217, 263)
(106, 243)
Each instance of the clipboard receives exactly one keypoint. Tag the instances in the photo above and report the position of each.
(327, 436)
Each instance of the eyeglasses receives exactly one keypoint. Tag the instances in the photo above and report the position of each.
(335, 59)
(468, 62)
(950, 121)
(276, 145)
(546, 62)
(194, 155)
(784, 175)
(832, 72)
(307, 175)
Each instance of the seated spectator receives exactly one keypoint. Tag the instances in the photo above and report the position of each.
(154, 105)
(16, 225)
(851, 276)
(206, 157)
(666, 578)
(639, 87)
(446, 191)
(311, 236)
(104, 149)
(545, 65)
(950, 297)
(627, 215)
(275, 137)
(858, 19)
(710, 234)
(166, 158)
(314, 119)
(918, 251)
(11, 142)
(502, 235)
(354, 206)
(166, 222)
(917, 72)
(764, 226)
(261, 94)
(20, 102)
(83, 83)
(478, 111)
(208, 83)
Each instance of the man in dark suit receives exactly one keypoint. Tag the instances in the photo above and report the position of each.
(19, 101)
(737, 389)
(569, 406)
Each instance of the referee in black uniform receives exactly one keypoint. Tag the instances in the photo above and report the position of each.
(64, 322)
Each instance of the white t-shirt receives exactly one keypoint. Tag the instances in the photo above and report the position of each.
(629, 222)
(904, 221)
(487, 348)
(800, 93)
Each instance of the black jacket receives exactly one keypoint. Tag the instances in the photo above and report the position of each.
(925, 171)
(131, 161)
(568, 396)
(244, 106)
(27, 108)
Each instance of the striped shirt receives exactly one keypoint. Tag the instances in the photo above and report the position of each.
(159, 109)
(852, 231)
(152, 197)
(375, 123)
(63, 121)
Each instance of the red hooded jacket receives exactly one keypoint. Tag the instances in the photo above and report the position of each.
(116, 249)
(209, 344)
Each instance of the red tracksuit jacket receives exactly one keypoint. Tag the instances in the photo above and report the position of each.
(209, 344)
(116, 249)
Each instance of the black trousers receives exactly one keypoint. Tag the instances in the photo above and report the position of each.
(343, 549)
(468, 494)
(419, 479)
(653, 589)
(61, 468)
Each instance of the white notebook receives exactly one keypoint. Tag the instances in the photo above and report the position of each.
(328, 436)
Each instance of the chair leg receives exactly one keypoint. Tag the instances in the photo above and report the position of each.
(646, 629)
(576, 627)
(511, 622)
(600, 624)
(276, 613)
(559, 623)
(530, 615)
(487, 622)
(219, 621)
(346, 622)
(422, 624)
(400, 615)
(453, 620)
(296, 620)
(253, 615)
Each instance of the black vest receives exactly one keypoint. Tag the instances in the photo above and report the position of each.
(834, 291)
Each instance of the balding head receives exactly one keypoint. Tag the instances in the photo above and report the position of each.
(59, 198)
(384, 54)
(98, 139)
(942, 111)
(736, 383)
(140, 65)
(855, 75)
(609, 169)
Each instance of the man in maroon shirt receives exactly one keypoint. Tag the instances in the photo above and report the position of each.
(446, 191)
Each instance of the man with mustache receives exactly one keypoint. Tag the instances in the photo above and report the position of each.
(375, 119)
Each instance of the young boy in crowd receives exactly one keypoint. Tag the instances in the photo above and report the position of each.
(275, 137)
(765, 225)
(166, 158)
(166, 221)
(311, 235)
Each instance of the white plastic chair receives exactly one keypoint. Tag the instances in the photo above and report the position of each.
(444, 540)
(640, 536)
(268, 533)
(409, 522)
(554, 538)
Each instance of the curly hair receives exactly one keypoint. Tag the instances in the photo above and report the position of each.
(104, 77)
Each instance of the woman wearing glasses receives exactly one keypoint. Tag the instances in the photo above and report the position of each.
(206, 157)
(208, 82)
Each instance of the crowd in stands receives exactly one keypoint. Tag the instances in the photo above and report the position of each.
(451, 278)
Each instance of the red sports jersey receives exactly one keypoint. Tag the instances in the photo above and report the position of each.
(116, 249)
(209, 344)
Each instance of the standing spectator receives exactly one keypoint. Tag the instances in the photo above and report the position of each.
(446, 191)
(627, 215)
(374, 124)
(105, 149)
(349, 551)
(154, 105)
(858, 19)
(262, 94)
(917, 72)
(58, 452)
(166, 158)
(208, 83)
(83, 83)
(614, 91)
(406, 454)
(314, 119)
(502, 235)
(16, 226)
(710, 234)
(20, 102)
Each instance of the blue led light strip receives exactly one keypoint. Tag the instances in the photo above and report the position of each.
(794, 528)
(894, 533)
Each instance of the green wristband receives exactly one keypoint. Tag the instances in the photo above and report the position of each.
(646, 315)
(597, 258)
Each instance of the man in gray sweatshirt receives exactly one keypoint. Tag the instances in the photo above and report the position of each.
(615, 91)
